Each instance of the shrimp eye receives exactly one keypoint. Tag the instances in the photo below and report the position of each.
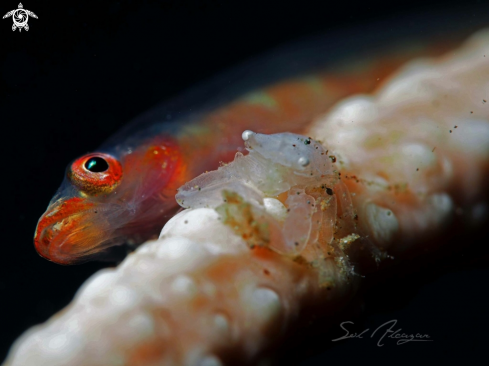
(95, 173)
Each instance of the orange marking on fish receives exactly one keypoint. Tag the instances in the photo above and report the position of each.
(54, 225)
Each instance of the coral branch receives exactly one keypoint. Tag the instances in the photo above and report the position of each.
(288, 227)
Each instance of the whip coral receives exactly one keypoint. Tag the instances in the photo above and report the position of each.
(294, 225)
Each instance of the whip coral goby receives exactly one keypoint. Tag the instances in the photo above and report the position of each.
(123, 193)
(288, 230)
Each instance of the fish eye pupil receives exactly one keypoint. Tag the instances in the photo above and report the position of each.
(96, 165)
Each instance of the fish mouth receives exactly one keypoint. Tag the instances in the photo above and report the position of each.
(58, 236)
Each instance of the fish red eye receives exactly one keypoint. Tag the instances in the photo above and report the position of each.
(95, 173)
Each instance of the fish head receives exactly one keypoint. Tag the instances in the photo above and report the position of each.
(110, 198)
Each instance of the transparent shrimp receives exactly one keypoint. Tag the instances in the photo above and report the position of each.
(293, 170)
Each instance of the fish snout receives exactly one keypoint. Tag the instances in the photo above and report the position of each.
(55, 235)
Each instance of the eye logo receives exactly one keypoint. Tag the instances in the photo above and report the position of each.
(20, 17)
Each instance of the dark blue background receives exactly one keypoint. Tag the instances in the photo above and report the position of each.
(83, 70)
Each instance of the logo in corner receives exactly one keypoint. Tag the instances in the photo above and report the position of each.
(20, 17)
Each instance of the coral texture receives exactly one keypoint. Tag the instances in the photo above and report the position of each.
(288, 227)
